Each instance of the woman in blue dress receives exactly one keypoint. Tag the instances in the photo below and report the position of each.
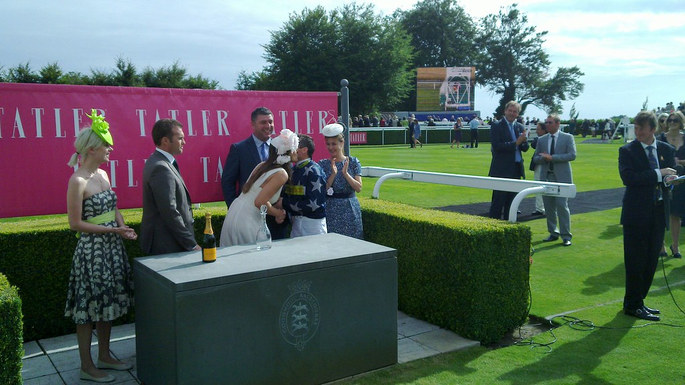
(416, 129)
(100, 283)
(343, 181)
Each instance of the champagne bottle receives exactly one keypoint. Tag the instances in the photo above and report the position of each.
(208, 241)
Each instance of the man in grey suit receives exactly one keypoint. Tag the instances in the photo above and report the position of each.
(554, 152)
(167, 225)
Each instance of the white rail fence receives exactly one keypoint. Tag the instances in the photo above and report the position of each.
(523, 188)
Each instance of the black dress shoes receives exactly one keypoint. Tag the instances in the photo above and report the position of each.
(650, 310)
(551, 238)
(641, 313)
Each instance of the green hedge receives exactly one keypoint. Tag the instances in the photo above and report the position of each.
(464, 273)
(36, 257)
(11, 346)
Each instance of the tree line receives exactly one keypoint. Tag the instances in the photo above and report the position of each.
(378, 54)
(315, 48)
(124, 74)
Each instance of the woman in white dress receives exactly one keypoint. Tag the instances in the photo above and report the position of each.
(263, 187)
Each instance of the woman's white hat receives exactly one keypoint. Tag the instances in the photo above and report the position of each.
(332, 130)
(284, 142)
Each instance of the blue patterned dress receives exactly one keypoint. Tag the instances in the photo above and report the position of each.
(100, 283)
(343, 213)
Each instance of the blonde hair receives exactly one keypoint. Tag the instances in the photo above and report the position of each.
(85, 140)
(680, 116)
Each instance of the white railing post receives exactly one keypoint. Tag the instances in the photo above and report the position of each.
(523, 188)
(513, 210)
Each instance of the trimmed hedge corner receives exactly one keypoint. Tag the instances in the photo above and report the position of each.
(36, 257)
(11, 342)
(464, 273)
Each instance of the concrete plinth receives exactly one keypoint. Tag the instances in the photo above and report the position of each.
(307, 311)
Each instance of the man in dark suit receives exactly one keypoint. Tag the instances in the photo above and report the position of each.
(643, 164)
(242, 159)
(167, 225)
(554, 153)
(508, 139)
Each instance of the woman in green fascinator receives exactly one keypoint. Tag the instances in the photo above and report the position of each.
(100, 285)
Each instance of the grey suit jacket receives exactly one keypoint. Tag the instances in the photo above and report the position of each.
(167, 225)
(564, 153)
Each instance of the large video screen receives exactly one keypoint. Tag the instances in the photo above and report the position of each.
(445, 88)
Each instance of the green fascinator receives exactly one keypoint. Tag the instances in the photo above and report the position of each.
(100, 127)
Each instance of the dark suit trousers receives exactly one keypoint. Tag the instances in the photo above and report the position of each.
(474, 138)
(501, 202)
(278, 230)
(641, 246)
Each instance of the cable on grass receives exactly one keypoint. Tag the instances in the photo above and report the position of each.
(663, 269)
(581, 324)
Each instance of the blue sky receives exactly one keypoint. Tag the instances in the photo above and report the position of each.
(629, 50)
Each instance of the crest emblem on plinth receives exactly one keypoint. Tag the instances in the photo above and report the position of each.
(299, 317)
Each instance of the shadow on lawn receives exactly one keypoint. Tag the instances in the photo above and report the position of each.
(601, 283)
(575, 359)
(611, 232)
(674, 278)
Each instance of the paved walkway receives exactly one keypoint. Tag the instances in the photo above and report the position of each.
(56, 360)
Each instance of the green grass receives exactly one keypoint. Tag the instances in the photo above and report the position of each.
(595, 168)
(585, 281)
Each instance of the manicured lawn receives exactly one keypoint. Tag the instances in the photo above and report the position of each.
(584, 281)
(595, 168)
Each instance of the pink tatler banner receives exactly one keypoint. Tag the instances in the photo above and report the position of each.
(39, 123)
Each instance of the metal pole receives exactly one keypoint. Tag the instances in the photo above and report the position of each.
(345, 112)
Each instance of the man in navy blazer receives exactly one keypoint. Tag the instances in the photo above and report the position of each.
(167, 224)
(554, 152)
(244, 156)
(644, 210)
(508, 140)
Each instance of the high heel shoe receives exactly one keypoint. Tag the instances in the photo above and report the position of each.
(675, 253)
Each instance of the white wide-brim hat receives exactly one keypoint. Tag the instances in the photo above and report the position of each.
(332, 130)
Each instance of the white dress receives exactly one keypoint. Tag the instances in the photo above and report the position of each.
(243, 219)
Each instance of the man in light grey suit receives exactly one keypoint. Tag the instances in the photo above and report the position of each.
(167, 225)
(554, 152)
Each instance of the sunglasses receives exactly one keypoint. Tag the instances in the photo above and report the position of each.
(673, 120)
(662, 120)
